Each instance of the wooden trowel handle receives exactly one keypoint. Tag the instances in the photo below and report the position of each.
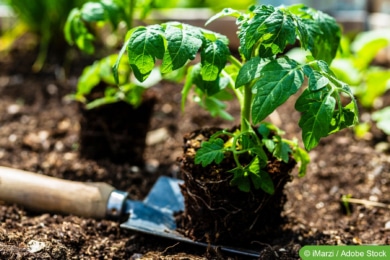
(48, 194)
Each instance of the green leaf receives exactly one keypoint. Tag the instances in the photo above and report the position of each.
(270, 29)
(327, 42)
(343, 118)
(93, 12)
(132, 94)
(216, 108)
(88, 79)
(282, 150)
(243, 176)
(240, 179)
(317, 113)
(213, 59)
(250, 71)
(307, 28)
(210, 151)
(113, 12)
(259, 177)
(146, 44)
(317, 81)
(77, 33)
(248, 140)
(280, 79)
(183, 44)
(266, 184)
(210, 88)
(302, 158)
(106, 70)
(317, 31)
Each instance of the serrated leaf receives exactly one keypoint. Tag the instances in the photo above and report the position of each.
(307, 30)
(210, 151)
(317, 31)
(145, 45)
(213, 59)
(279, 80)
(317, 112)
(327, 43)
(270, 29)
(183, 42)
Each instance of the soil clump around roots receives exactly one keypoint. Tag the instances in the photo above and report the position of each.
(217, 213)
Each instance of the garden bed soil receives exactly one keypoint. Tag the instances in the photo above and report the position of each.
(39, 132)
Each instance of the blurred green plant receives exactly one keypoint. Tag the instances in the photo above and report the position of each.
(82, 29)
(354, 64)
(100, 74)
(382, 119)
(82, 24)
(46, 18)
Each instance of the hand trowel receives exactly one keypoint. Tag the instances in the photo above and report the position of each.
(154, 215)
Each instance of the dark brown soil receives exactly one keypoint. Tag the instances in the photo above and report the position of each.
(39, 132)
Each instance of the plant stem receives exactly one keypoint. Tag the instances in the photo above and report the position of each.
(245, 98)
(234, 61)
(246, 108)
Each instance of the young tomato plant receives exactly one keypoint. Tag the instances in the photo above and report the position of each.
(261, 80)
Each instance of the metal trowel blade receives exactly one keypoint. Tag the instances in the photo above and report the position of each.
(155, 215)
